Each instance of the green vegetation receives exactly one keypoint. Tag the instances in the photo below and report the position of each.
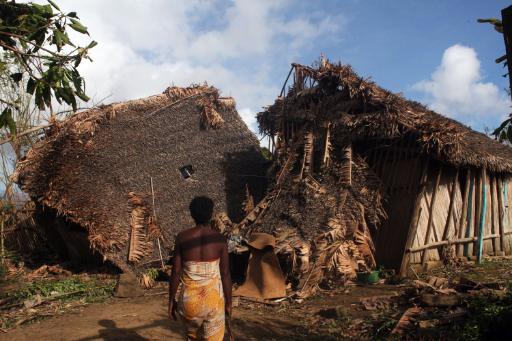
(485, 315)
(38, 57)
(74, 287)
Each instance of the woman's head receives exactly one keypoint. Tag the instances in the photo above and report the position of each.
(201, 210)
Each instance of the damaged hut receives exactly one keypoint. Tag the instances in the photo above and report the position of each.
(118, 179)
(364, 177)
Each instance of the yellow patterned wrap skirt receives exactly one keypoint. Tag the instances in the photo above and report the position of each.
(201, 301)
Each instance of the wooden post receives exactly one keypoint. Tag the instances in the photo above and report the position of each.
(347, 164)
(2, 246)
(477, 211)
(431, 213)
(492, 183)
(501, 215)
(154, 217)
(327, 146)
(460, 231)
(413, 225)
(470, 214)
(481, 225)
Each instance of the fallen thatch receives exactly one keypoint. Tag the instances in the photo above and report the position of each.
(97, 169)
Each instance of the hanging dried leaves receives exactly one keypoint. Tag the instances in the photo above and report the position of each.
(139, 217)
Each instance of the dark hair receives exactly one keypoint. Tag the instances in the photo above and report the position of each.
(201, 209)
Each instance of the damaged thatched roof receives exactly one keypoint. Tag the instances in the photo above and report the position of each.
(95, 168)
(335, 93)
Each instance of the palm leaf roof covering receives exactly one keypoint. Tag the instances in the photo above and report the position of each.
(334, 93)
(96, 169)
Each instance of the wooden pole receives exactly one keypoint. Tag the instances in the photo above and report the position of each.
(470, 213)
(154, 217)
(431, 213)
(441, 243)
(286, 81)
(501, 215)
(493, 190)
(413, 226)
(477, 211)
(481, 225)
(2, 246)
(464, 212)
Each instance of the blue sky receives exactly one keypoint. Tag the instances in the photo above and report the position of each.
(431, 51)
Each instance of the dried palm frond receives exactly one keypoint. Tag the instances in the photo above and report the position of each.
(307, 161)
(226, 103)
(210, 118)
(344, 260)
(139, 244)
(309, 282)
(153, 229)
(221, 223)
(146, 281)
(248, 204)
(346, 166)
(176, 93)
(327, 147)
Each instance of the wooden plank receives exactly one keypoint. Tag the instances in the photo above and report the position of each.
(481, 223)
(501, 214)
(413, 227)
(430, 213)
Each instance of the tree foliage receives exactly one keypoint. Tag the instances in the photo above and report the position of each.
(504, 131)
(38, 56)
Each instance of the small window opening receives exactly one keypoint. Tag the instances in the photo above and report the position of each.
(187, 171)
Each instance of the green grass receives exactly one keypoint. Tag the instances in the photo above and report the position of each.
(87, 289)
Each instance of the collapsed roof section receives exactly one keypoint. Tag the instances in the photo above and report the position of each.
(334, 93)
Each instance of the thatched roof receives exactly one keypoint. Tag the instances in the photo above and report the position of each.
(335, 93)
(95, 168)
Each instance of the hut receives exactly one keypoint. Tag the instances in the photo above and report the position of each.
(444, 186)
(119, 178)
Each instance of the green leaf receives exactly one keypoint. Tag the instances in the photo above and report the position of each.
(92, 44)
(31, 86)
(77, 26)
(83, 96)
(54, 5)
(59, 39)
(7, 120)
(17, 76)
(72, 15)
(501, 127)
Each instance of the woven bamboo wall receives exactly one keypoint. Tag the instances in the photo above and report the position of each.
(450, 228)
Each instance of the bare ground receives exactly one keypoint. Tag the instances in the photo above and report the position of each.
(145, 318)
(362, 312)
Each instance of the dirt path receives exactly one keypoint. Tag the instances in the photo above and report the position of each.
(142, 318)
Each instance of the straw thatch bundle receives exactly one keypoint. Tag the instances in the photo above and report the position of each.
(97, 169)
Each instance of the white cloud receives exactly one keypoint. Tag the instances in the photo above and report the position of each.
(145, 46)
(456, 89)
